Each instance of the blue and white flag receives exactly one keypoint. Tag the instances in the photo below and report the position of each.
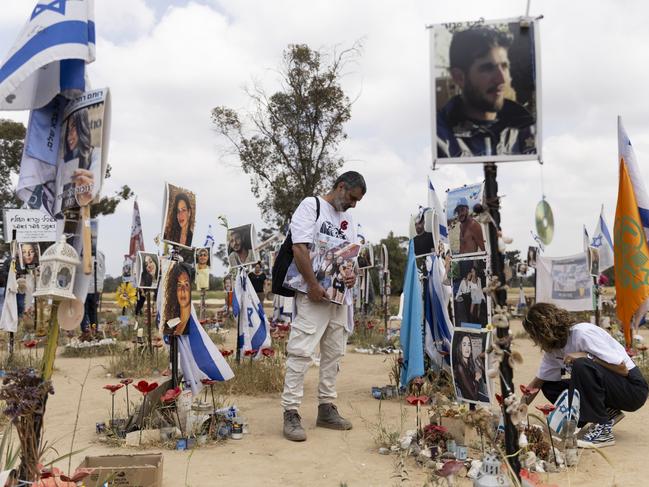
(199, 358)
(602, 240)
(626, 153)
(440, 231)
(254, 330)
(209, 238)
(410, 337)
(49, 55)
(439, 327)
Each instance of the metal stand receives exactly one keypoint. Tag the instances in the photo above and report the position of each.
(173, 355)
(201, 315)
(497, 269)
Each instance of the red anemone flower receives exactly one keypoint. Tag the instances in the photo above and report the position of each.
(528, 391)
(209, 382)
(226, 353)
(546, 408)
(499, 398)
(126, 381)
(267, 352)
(249, 353)
(170, 395)
(30, 343)
(113, 388)
(414, 400)
(145, 387)
(370, 325)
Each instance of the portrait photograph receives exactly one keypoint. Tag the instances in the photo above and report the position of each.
(467, 235)
(241, 246)
(179, 216)
(469, 363)
(366, 256)
(147, 270)
(485, 91)
(471, 303)
(421, 232)
(29, 256)
(176, 292)
(593, 260)
(531, 256)
(202, 266)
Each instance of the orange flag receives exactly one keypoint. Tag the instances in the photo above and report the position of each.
(631, 256)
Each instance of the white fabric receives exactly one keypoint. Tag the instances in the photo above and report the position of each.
(254, 329)
(33, 77)
(565, 282)
(602, 240)
(584, 337)
(9, 317)
(440, 230)
(330, 222)
(463, 288)
(626, 152)
(315, 324)
(477, 295)
(101, 273)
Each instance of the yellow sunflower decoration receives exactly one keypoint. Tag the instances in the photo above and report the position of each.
(125, 295)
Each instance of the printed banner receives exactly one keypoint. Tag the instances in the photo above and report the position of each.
(30, 226)
(565, 282)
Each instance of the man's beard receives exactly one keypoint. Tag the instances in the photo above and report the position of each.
(475, 99)
(339, 203)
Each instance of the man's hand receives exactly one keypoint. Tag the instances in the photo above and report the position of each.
(84, 182)
(571, 357)
(316, 293)
(349, 278)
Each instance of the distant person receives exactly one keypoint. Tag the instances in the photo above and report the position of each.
(471, 236)
(481, 121)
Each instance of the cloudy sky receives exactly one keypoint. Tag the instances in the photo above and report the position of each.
(168, 63)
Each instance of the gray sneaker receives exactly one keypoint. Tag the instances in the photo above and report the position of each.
(328, 417)
(292, 426)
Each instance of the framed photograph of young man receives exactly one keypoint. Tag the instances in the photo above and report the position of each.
(466, 235)
(485, 91)
(469, 365)
(242, 248)
(421, 232)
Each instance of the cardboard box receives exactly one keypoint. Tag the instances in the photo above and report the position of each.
(140, 470)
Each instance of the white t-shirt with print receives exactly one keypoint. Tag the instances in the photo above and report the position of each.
(584, 337)
(339, 224)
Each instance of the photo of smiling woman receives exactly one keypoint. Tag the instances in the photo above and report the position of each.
(468, 363)
(148, 270)
(177, 299)
(180, 216)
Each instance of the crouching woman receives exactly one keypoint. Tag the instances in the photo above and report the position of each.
(607, 379)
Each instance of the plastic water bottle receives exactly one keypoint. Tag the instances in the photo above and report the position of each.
(570, 442)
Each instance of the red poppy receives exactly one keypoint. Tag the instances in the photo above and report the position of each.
(381, 330)
(226, 353)
(499, 398)
(30, 343)
(145, 387)
(126, 381)
(208, 382)
(113, 388)
(414, 400)
(268, 352)
(283, 327)
(528, 391)
(546, 408)
(370, 325)
(170, 395)
(343, 225)
(435, 427)
(250, 353)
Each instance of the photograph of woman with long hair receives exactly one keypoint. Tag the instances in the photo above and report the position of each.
(468, 359)
(180, 216)
(29, 255)
(148, 270)
(177, 298)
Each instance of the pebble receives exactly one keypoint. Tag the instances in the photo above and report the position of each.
(384, 451)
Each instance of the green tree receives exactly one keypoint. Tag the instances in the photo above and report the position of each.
(288, 143)
(12, 135)
(398, 257)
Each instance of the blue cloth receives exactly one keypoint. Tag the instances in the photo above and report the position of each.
(411, 325)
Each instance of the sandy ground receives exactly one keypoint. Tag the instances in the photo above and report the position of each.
(328, 457)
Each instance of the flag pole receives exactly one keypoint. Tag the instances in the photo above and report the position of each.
(497, 269)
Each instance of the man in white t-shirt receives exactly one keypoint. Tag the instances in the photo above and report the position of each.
(600, 369)
(318, 321)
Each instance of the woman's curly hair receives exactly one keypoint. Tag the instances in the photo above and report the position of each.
(548, 326)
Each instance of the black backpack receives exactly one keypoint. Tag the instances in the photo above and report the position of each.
(284, 259)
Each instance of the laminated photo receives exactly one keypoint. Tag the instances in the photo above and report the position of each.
(469, 365)
(176, 305)
(242, 246)
(147, 270)
(179, 216)
(471, 303)
(485, 91)
(421, 232)
(332, 259)
(467, 235)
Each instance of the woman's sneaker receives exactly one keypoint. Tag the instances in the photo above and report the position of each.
(599, 436)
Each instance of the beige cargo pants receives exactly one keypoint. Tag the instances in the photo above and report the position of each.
(314, 323)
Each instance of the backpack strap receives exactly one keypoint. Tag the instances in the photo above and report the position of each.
(317, 208)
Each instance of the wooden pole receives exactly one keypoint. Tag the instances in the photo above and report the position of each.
(149, 325)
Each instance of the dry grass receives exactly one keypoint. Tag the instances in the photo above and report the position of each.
(253, 377)
(95, 351)
(137, 362)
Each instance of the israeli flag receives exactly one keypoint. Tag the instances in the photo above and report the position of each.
(602, 240)
(49, 55)
(254, 330)
(439, 327)
(199, 358)
(209, 239)
(433, 202)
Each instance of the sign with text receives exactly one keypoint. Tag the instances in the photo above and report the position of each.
(30, 226)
